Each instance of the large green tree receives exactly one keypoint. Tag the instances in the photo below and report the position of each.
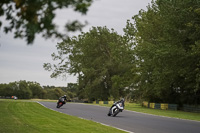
(102, 60)
(166, 39)
(30, 17)
(24, 91)
(36, 89)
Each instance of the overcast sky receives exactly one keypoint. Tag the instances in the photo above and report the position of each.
(19, 61)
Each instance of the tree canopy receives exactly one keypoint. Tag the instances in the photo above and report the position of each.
(27, 90)
(166, 39)
(30, 17)
(100, 58)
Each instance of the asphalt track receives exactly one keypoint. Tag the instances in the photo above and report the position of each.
(128, 120)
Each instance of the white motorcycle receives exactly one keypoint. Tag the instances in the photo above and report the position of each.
(116, 108)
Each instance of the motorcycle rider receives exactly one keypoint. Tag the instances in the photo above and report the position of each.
(63, 99)
(120, 101)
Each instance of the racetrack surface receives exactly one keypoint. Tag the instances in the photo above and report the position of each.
(128, 120)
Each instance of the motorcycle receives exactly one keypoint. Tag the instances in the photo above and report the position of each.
(60, 103)
(116, 108)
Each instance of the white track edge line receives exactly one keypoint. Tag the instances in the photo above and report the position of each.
(144, 113)
(88, 119)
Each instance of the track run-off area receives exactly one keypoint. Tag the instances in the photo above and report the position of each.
(129, 121)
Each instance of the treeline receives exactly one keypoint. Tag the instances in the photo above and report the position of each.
(27, 90)
(157, 59)
(166, 41)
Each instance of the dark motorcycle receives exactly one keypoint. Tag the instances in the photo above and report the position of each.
(116, 108)
(60, 103)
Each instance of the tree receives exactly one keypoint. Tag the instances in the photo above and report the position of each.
(2, 86)
(59, 92)
(72, 90)
(27, 89)
(96, 57)
(166, 39)
(72, 87)
(31, 17)
(24, 91)
(7, 90)
(36, 89)
(53, 93)
(43, 94)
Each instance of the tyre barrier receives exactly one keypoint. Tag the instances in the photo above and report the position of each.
(103, 102)
(172, 106)
(191, 108)
(163, 106)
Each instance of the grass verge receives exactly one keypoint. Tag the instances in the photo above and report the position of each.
(30, 117)
(167, 113)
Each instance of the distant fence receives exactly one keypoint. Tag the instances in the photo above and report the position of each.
(191, 108)
(78, 101)
(166, 106)
(6, 97)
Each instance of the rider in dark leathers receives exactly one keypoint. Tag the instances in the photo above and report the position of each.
(63, 99)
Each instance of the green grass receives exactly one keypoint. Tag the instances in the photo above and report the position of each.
(167, 113)
(30, 117)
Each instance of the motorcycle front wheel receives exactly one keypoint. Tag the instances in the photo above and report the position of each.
(59, 105)
(115, 112)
